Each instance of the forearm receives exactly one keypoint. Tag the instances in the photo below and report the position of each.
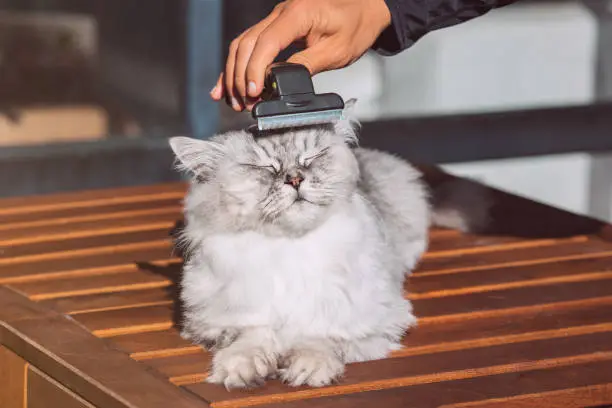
(412, 19)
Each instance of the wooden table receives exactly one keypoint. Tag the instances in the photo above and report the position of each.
(518, 316)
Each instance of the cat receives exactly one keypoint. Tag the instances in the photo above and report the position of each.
(299, 244)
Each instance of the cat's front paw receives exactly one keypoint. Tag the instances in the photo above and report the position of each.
(243, 368)
(312, 367)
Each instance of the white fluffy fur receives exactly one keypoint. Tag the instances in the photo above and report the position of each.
(318, 284)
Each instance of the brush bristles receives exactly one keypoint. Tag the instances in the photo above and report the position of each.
(298, 119)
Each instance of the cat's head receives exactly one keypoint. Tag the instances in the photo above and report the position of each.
(285, 183)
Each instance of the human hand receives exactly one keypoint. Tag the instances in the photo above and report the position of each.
(336, 33)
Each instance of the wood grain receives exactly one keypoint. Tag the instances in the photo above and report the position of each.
(91, 198)
(182, 368)
(444, 240)
(147, 345)
(74, 255)
(518, 257)
(23, 233)
(110, 301)
(12, 379)
(92, 284)
(422, 283)
(438, 391)
(86, 365)
(44, 392)
(498, 301)
(67, 216)
(62, 249)
(76, 262)
(515, 316)
(569, 398)
(125, 321)
(506, 246)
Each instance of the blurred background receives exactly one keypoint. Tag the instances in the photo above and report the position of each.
(520, 99)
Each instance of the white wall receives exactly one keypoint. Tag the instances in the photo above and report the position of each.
(519, 56)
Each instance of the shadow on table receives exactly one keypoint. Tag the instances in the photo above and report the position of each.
(511, 215)
(173, 272)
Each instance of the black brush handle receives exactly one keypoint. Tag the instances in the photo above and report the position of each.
(285, 79)
(288, 89)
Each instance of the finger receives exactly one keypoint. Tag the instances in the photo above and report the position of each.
(323, 56)
(242, 57)
(217, 92)
(245, 49)
(231, 95)
(285, 29)
(251, 102)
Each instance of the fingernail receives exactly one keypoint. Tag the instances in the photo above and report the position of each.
(235, 103)
(213, 92)
(252, 88)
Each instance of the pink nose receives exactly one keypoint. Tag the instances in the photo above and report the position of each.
(294, 181)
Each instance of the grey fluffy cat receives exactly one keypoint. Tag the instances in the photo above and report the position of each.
(299, 246)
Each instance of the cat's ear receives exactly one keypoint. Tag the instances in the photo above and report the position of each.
(198, 157)
(348, 126)
(349, 105)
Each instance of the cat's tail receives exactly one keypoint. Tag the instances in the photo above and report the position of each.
(458, 203)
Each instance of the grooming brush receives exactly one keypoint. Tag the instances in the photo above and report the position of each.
(289, 100)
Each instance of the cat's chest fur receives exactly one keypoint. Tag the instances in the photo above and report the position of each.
(264, 260)
(318, 282)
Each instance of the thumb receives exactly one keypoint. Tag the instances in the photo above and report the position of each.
(323, 56)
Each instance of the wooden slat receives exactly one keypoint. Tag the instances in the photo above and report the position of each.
(12, 379)
(30, 204)
(167, 266)
(528, 273)
(20, 235)
(443, 233)
(147, 345)
(519, 257)
(110, 301)
(500, 302)
(586, 277)
(492, 330)
(504, 246)
(79, 262)
(448, 242)
(83, 214)
(186, 368)
(60, 249)
(125, 321)
(44, 392)
(464, 386)
(570, 398)
(86, 285)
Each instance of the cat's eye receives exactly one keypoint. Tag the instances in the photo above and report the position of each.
(307, 161)
(269, 167)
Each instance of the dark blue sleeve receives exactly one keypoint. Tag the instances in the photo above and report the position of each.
(412, 19)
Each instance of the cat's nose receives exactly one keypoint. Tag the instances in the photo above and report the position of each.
(294, 180)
